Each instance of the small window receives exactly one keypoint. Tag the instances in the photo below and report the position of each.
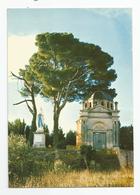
(85, 105)
(112, 106)
(102, 103)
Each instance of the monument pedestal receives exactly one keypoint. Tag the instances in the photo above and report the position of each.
(39, 140)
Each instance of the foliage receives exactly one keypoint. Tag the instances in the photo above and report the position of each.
(31, 138)
(47, 136)
(61, 143)
(87, 154)
(61, 140)
(24, 161)
(71, 147)
(106, 160)
(16, 127)
(60, 56)
(126, 138)
(71, 138)
(60, 166)
(102, 160)
(72, 159)
(27, 132)
(49, 140)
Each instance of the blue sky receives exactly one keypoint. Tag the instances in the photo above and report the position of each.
(109, 28)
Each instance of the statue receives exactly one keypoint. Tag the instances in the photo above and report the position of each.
(40, 121)
(39, 136)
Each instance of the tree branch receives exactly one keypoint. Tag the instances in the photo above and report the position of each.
(69, 85)
(22, 102)
(25, 101)
(17, 76)
(27, 85)
(30, 109)
(75, 74)
(87, 72)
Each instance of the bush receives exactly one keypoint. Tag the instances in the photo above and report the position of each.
(71, 147)
(72, 159)
(25, 161)
(126, 138)
(87, 153)
(16, 127)
(107, 160)
(71, 138)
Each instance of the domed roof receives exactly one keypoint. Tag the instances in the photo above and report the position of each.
(102, 95)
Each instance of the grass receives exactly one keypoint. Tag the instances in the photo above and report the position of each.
(122, 178)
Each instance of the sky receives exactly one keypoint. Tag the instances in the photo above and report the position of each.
(109, 28)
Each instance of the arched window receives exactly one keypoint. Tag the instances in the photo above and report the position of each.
(90, 104)
(102, 103)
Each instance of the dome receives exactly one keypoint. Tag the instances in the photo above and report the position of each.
(102, 96)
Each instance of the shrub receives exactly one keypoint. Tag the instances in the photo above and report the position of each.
(24, 161)
(87, 153)
(72, 159)
(71, 147)
(107, 160)
(71, 138)
(60, 166)
(126, 138)
(16, 127)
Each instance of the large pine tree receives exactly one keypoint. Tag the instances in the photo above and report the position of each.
(69, 70)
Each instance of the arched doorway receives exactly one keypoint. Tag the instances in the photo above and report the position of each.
(99, 136)
(99, 140)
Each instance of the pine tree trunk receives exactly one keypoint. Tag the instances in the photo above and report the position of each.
(33, 125)
(56, 126)
(34, 113)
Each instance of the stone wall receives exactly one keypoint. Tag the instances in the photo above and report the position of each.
(125, 158)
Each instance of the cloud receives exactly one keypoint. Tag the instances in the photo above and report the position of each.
(20, 49)
(112, 12)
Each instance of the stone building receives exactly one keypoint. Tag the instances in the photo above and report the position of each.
(98, 124)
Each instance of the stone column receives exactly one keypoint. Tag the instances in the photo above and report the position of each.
(113, 133)
(116, 106)
(117, 134)
(83, 105)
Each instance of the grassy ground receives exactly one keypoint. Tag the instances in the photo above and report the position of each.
(122, 178)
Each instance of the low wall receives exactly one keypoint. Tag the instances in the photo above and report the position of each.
(125, 158)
